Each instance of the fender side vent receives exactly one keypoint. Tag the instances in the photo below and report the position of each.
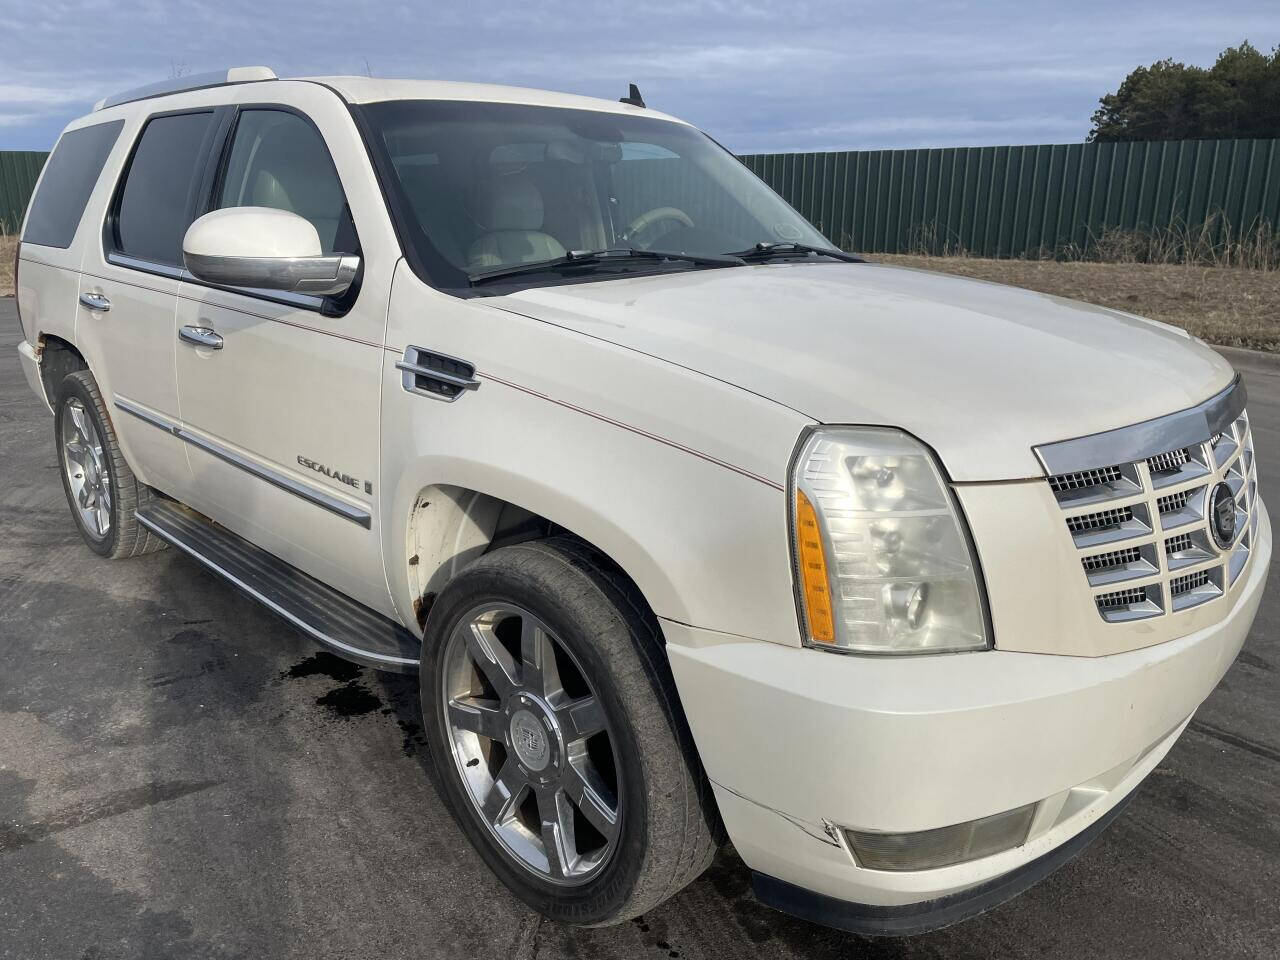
(436, 375)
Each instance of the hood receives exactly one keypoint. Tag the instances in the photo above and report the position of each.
(980, 371)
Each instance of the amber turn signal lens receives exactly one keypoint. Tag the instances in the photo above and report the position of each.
(812, 560)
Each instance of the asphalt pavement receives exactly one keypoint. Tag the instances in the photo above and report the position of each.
(183, 775)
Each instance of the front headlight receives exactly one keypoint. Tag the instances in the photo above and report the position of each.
(883, 561)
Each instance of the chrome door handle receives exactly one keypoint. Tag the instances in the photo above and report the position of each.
(95, 301)
(201, 337)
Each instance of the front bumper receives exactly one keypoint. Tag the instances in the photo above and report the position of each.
(800, 743)
(912, 918)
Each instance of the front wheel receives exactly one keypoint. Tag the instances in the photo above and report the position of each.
(558, 737)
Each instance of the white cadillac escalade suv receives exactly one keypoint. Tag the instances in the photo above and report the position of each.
(690, 522)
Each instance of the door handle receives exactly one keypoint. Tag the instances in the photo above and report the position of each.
(95, 301)
(201, 337)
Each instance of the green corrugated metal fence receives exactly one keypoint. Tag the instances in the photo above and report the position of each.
(989, 201)
(18, 172)
(1015, 201)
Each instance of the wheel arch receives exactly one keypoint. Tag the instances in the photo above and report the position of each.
(442, 528)
(58, 357)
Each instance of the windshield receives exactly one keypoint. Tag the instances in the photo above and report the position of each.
(483, 186)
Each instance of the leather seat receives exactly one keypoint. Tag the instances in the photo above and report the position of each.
(510, 210)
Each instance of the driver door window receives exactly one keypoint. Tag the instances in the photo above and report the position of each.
(278, 160)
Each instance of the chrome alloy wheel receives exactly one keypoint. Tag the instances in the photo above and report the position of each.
(532, 744)
(88, 477)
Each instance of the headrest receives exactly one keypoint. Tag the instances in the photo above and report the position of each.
(313, 191)
(509, 202)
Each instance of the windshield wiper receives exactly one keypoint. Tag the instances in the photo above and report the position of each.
(768, 251)
(587, 258)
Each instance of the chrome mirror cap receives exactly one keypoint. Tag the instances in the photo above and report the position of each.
(265, 249)
(317, 276)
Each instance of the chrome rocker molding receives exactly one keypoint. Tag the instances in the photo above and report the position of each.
(1147, 439)
(273, 477)
(316, 276)
(350, 630)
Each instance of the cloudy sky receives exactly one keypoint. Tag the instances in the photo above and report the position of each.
(759, 76)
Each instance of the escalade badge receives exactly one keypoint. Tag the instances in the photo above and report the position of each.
(338, 475)
(1222, 516)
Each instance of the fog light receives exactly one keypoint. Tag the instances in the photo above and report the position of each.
(944, 846)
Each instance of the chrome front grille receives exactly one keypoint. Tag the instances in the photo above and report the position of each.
(1066, 482)
(1120, 598)
(1188, 582)
(1173, 502)
(1168, 462)
(1154, 515)
(1116, 558)
(1102, 520)
(1193, 589)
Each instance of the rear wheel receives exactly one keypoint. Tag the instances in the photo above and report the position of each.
(557, 734)
(101, 490)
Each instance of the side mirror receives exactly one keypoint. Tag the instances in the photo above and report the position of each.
(267, 249)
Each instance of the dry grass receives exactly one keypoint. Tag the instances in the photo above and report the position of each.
(6, 264)
(1233, 307)
(1213, 242)
(1216, 242)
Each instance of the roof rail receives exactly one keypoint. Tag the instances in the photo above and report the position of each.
(196, 81)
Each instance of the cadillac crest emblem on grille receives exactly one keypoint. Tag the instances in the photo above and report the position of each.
(1223, 516)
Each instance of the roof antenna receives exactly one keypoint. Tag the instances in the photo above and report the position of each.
(633, 97)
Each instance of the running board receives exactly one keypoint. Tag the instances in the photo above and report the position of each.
(349, 629)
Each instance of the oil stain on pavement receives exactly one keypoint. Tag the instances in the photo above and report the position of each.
(350, 698)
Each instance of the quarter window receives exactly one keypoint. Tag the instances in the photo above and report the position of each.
(69, 177)
(279, 160)
(159, 195)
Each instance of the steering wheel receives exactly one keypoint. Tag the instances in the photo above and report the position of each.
(646, 220)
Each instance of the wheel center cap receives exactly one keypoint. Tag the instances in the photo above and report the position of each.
(529, 740)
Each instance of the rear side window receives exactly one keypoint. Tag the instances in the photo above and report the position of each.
(157, 202)
(69, 177)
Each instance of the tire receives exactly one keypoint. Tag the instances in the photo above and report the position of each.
(111, 530)
(667, 827)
